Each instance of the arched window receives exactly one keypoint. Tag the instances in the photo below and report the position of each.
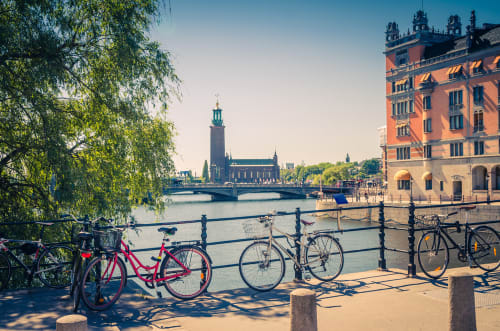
(479, 178)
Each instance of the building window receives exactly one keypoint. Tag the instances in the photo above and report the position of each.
(403, 130)
(403, 153)
(455, 72)
(402, 57)
(478, 121)
(428, 184)
(477, 67)
(478, 147)
(403, 184)
(456, 122)
(427, 102)
(410, 106)
(410, 82)
(428, 151)
(456, 149)
(478, 95)
(455, 98)
(428, 125)
(393, 87)
(402, 85)
(441, 186)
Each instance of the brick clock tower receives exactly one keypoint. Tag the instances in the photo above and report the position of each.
(217, 147)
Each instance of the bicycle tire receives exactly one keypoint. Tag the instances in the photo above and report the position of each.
(254, 256)
(431, 262)
(75, 286)
(193, 284)
(484, 248)
(5, 271)
(54, 266)
(328, 249)
(77, 260)
(100, 289)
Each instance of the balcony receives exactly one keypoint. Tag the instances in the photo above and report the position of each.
(402, 117)
(426, 87)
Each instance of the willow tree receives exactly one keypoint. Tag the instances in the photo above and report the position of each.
(83, 96)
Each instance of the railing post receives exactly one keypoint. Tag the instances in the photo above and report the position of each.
(204, 246)
(411, 241)
(204, 232)
(381, 237)
(298, 272)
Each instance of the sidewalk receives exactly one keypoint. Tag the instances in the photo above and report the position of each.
(372, 300)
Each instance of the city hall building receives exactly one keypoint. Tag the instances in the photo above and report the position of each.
(442, 115)
(223, 168)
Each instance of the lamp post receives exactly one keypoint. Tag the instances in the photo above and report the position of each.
(411, 189)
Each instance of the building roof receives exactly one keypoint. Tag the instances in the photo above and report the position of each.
(251, 162)
(486, 37)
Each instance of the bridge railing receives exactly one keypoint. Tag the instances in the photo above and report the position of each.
(379, 226)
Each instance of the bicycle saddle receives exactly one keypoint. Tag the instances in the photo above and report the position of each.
(306, 222)
(168, 230)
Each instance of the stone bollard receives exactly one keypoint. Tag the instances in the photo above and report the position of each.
(462, 308)
(72, 323)
(303, 310)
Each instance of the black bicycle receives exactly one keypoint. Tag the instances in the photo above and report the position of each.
(81, 256)
(481, 244)
(50, 263)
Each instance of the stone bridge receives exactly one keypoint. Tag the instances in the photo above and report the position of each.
(230, 192)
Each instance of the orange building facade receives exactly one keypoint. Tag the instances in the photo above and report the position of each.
(442, 115)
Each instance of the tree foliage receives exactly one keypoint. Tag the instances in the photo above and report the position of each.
(204, 174)
(83, 93)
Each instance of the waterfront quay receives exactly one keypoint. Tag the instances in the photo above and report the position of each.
(370, 300)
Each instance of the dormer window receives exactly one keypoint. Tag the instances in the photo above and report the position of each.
(455, 72)
(477, 67)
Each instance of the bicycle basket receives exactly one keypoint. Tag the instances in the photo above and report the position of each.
(255, 229)
(107, 240)
(426, 220)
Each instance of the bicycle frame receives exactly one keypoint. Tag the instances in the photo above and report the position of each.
(130, 256)
(302, 244)
(30, 270)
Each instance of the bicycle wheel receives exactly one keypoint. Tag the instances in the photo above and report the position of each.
(189, 284)
(433, 254)
(5, 271)
(324, 257)
(76, 292)
(75, 268)
(262, 266)
(54, 266)
(103, 281)
(484, 248)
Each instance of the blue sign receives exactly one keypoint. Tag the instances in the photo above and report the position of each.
(340, 199)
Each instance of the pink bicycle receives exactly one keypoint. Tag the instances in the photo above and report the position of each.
(185, 271)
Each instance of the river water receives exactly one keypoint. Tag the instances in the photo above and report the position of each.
(191, 207)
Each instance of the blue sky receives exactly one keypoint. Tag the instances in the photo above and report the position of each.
(303, 77)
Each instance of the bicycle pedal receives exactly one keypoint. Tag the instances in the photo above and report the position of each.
(158, 293)
(307, 277)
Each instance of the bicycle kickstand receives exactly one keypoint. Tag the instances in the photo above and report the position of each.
(158, 293)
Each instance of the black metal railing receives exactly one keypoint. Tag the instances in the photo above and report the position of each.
(382, 226)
